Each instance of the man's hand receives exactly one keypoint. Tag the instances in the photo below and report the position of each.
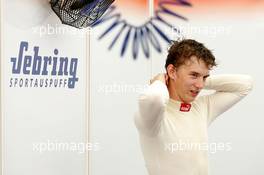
(161, 77)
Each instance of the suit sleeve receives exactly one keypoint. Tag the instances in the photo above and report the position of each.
(229, 89)
(151, 104)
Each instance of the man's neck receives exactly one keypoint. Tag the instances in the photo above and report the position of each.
(173, 94)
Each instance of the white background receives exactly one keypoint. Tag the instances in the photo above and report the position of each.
(40, 115)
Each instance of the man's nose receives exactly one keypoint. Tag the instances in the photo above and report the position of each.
(199, 84)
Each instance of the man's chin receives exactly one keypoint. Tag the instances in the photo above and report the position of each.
(189, 100)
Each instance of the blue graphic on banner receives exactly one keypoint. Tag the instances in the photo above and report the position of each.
(145, 35)
(42, 71)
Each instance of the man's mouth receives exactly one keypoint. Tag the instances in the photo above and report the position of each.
(194, 93)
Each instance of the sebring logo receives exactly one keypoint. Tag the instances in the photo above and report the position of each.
(35, 71)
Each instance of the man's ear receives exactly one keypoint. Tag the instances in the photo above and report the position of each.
(171, 71)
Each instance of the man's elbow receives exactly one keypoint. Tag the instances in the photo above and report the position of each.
(150, 104)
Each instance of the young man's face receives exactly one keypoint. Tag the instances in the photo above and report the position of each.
(190, 79)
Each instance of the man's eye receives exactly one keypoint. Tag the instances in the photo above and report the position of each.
(194, 75)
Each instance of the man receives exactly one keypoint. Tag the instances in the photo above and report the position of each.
(172, 121)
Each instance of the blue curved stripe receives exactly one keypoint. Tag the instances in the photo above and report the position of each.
(107, 16)
(144, 36)
(153, 39)
(125, 43)
(135, 45)
(161, 33)
(144, 42)
(117, 36)
(109, 29)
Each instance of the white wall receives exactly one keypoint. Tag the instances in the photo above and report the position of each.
(41, 115)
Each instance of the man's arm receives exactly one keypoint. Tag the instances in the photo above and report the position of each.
(151, 105)
(229, 90)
